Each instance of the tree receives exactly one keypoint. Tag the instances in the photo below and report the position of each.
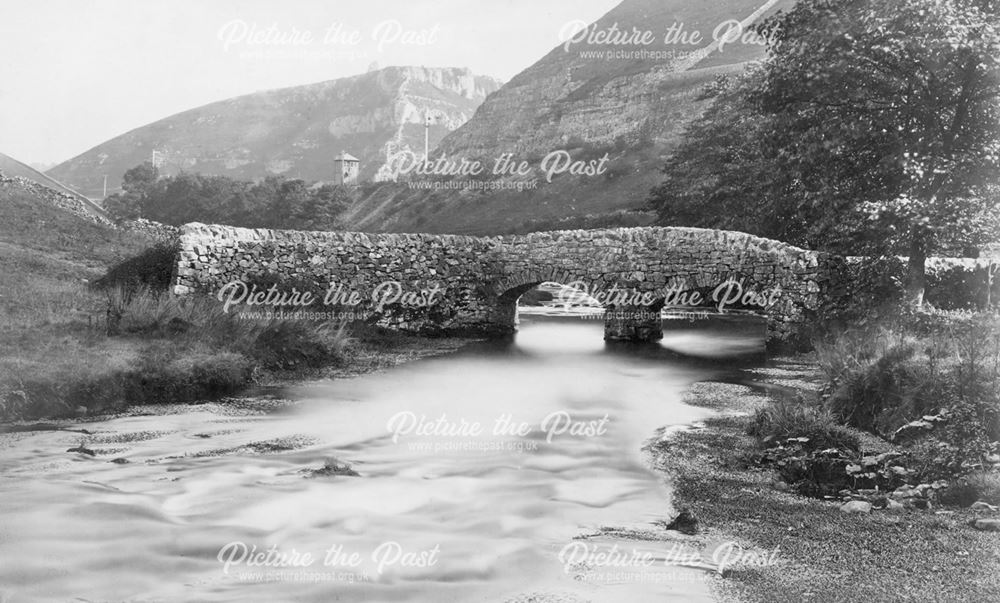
(140, 179)
(136, 182)
(323, 208)
(882, 120)
(727, 172)
(274, 202)
(895, 104)
(123, 206)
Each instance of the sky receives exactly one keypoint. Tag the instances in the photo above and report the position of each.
(74, 73)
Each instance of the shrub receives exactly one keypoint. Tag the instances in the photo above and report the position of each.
(165, 374)
(274, 343)
(784, 418)
(882, 394)
(298, 344)
(879, 378)
(152, 269)
(979, 486)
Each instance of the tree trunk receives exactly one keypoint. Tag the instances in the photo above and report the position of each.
(916, 276)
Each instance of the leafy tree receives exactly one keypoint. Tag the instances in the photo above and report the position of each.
(136, 182)
(274, 202)
(725, 173)
(322, 208)
(123, 206)
(871, 126)
(140, 179)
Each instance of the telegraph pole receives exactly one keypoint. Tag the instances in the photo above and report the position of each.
(427, 136)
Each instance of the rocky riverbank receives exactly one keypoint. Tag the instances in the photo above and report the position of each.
(817, 550)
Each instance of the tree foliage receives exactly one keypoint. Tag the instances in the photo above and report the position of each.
(274, 202)
(873, 126)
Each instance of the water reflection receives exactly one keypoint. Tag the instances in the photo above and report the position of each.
(477, 470)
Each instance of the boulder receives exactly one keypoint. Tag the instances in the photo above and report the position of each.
(983, 506)
(685, 523)
(986, 525)
(894, 505)
(856, 506)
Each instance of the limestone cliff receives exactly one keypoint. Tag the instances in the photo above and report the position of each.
(295, 131)
(629, 100)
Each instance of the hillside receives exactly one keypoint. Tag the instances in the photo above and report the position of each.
(294, 132)
(47, 254)
(634, 109)
(12, 168)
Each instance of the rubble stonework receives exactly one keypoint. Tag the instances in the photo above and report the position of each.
(482, 277)
(63, 201)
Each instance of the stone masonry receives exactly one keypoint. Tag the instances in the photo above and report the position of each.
(461, 284)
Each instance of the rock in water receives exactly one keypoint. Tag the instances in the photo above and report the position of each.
(685, 523)
(334, 467)
(856, 506)
(982, 506)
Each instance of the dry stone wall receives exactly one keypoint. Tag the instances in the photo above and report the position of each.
(450, 283)
(419, 282)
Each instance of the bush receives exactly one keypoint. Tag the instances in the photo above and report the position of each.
(879, 378)
(882, 394)
(786, 418)
(165, 375)
(979, 486)
(274, 344)
(297, 344)
(152, 269)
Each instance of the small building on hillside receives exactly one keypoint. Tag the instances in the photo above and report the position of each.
(345, 169)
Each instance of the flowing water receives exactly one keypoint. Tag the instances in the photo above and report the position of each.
(509, 471)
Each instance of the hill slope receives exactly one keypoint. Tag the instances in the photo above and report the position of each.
(47, 253)
(295, 131)
(12, 168)
(633, 107)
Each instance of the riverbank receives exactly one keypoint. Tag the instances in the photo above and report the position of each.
(78, 370)
(820, 553)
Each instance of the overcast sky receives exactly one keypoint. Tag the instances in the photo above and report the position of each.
(74, 73)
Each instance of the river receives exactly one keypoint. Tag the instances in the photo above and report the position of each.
(509, 471)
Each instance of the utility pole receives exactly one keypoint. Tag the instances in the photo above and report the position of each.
(105, 186)
(427, 136)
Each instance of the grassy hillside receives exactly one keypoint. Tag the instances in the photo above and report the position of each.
(68, 349)
(48, 255)
(14, 168)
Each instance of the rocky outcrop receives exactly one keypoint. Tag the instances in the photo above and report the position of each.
(630, 100)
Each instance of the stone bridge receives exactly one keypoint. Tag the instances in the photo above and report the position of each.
(461, 284)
